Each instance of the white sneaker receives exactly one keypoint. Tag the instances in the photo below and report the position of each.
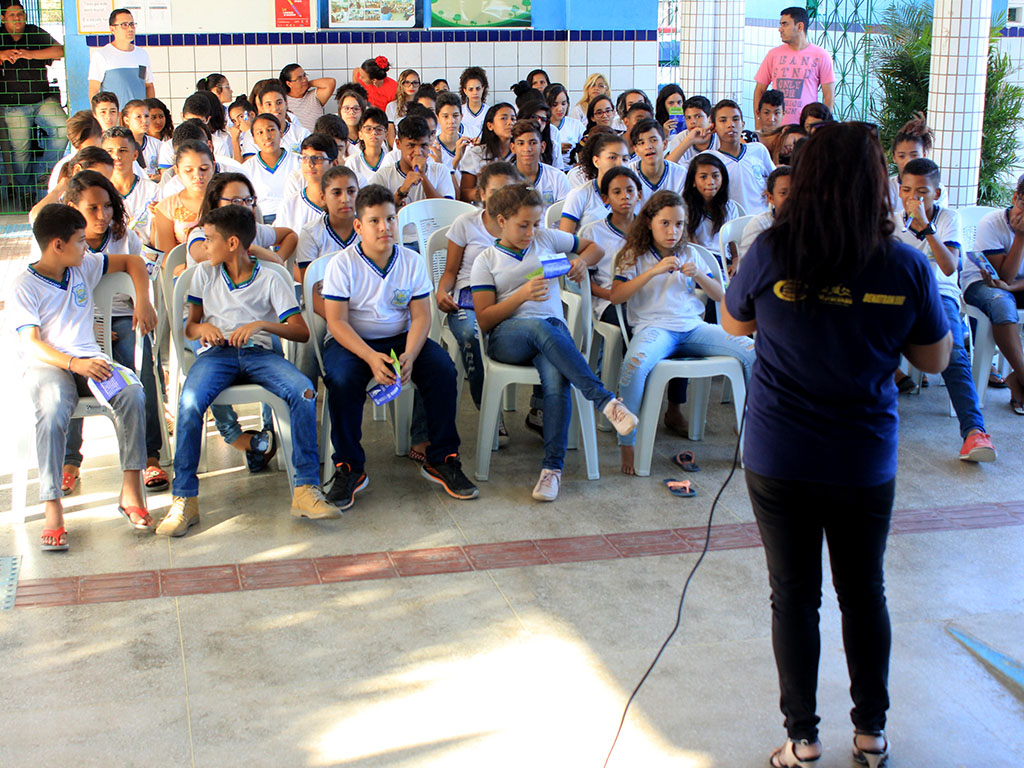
(546, 488)
(620, 416)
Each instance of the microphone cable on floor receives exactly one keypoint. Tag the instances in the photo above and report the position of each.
(686, 586)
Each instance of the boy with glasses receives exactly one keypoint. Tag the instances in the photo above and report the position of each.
(319, 152)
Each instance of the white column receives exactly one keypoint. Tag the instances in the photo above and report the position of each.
(956, 93)
(711, 48)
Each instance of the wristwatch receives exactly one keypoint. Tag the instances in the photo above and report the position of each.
(923, 234)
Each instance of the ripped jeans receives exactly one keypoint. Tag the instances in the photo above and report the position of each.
(652, 345)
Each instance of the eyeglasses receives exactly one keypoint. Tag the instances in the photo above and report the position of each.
(248, 202)
(125, 24)
(415, 83)
(303, 76)
(353, 108)
(603, 112)
(374, 130)
(313, 159)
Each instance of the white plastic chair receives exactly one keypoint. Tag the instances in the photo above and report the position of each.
(983, 343)
(436, 256)
(970, 215)
(428, 215)
(498, 376)
(731, 233)
(698, 370)
(400, 408)
(103, 298)
(175, 258)
(553, 214)
(236, 394)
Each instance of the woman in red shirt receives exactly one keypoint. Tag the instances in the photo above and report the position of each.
(373, 74)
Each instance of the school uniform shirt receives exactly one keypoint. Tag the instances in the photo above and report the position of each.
(170, 184)
(291, 139)
(359, 165)
(707, 236)
(667, 301)
(318, 238)
(391, 176)
(894, 193)
(583, 204)
(576, 176)
(447, 155)
(265, 238)
(556, 149)
(550, 184)
(122, 305)
(378, 299)
(468, 232)
(754, 227)
(993, 235)
(269, 180)
(611, 239)
(748, 176)
(297, 211)
(946, 223)
(149, 154)
(222, 144)
(266, 296)
(392, 112)
(821, 402)
(473, 122)
(579, 114)
(692, 152)
(503, 271)
(136, 203)
(673, 177)
(477, 156)
(570, 132)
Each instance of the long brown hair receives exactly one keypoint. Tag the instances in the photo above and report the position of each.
(640, 239)
(837, 216)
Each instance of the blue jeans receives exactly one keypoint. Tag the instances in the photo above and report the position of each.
(957, 375)
(676, 388)
(547, 345)
(124, 353)
(49, 117)
(214, 371)
(346, 376)
(998, 305)
(652, 345)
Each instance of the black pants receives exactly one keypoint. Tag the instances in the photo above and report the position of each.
(792, 516)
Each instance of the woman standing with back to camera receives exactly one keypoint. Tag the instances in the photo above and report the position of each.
(821, 434)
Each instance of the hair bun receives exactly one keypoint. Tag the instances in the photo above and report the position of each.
(382, 62)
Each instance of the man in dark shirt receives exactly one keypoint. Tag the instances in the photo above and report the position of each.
(27, 100)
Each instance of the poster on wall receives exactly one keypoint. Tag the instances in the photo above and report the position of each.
(346, 14)
(291, 13)
(480, 13)
(94, 16)
(150, 15)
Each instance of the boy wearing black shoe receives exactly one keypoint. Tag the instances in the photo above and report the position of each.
(375, 300)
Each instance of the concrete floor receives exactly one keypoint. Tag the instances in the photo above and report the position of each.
(520, 653)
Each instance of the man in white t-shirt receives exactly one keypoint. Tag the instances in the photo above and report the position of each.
(120, 67)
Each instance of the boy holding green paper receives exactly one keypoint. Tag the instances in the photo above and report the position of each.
(375, 302)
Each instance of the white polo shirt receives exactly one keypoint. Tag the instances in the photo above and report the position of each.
(62, 310)
(317, 238)
(570, 132)
(504, 271)
(473, 122)
(577, 176)
(754, 227)
(390, 175)
(583, 204)
(291, 139)
(476, 157)
(469, 232)
(149, 154)
(691, 152)
(269, 181)
(611, 239)
(297, 211)
(266, 296)
(378, 299)
(357, 162)
(993, 235)
(551, 184)
(946, 223)
(265, 238)
(748, 176)
(706, 233)
(672, 178)
(136, 203)
(666, 301)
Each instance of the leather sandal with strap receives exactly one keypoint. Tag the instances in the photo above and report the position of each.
(873, 758)
(786, 757)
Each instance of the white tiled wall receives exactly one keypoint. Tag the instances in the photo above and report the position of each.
(626, 64)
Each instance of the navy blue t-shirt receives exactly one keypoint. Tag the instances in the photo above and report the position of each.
(821, 405)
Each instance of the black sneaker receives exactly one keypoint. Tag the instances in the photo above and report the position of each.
(345, 485)
(449, 476)
(535, 421)
(261, 451)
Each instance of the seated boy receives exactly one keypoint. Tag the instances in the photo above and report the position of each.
(271, 98)
(136, 119)
(699, 135)
(935, 231)
(83, 130)
(138, 192)
(52, 310)
(655, 172)
(641, 110)
(335, 229)
(105, 109)
(376, 295)
(415, 176)
(770, 111)
(775, 194)
(234, 308)
(450, 145)
(306, 203)
(748, 164)
(1000, 236)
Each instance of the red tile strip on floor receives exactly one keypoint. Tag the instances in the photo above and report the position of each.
(217, 579)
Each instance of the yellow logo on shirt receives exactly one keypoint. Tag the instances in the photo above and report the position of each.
(837, 294)
(401, 297)
(794, 290)
(884, 298)
(81, 295)
(790, 290)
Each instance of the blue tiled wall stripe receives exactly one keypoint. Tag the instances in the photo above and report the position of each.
(327, 37)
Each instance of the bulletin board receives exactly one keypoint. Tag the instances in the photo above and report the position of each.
(94, 16)
(353, 14)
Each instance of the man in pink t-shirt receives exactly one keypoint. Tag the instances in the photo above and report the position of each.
(797, 68)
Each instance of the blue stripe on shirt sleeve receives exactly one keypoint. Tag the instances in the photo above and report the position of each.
(285, 315)
(190, 299)
(26, 325)
(621, 278)
(421, 296)
(331, 297)
(484, 288)
(106, 264)
(571, 218)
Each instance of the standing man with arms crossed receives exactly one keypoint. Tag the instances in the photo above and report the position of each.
(26, 97)
(120, 67)
(797, 68)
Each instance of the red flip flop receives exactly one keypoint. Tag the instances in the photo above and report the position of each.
(69, 483)
(155, 478)
(144, 524)
(55, 534)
